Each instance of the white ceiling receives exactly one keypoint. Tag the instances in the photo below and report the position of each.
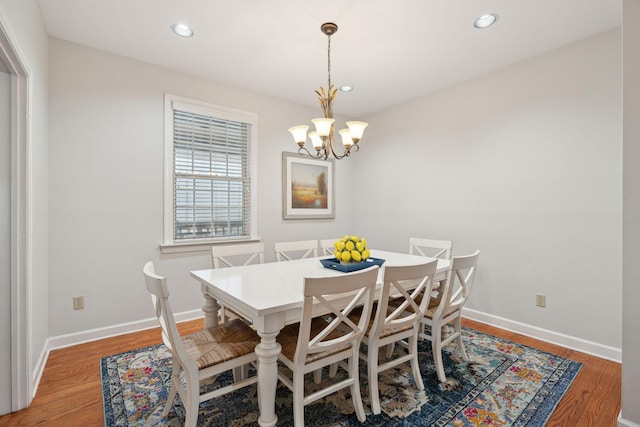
(389, 51)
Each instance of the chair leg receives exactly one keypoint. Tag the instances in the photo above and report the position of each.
(415, 364)
(317, 376)
(436, 348)
(193, 402)
(240, 373)
(355, 387)
(372, 369)
(390, 349)
(463, 351)
(223, 315)
(298, 399)
(175, 379)
(333, 370)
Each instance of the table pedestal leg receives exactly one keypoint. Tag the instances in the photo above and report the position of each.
(267, 352)
(210, 309)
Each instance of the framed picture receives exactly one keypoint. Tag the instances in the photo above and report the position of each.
(307, 187)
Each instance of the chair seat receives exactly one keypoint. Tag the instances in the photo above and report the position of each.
(221, 343)
(433, 302)
(431, 311)
(355, 314)
(288, 339)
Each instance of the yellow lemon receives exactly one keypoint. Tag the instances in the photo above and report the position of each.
(345, 238)
(364, 242)
(355, 238)
(355, 255)
(346, 256)
(339, 245)
(337, 254)
(365, 254)
(349, 245)
(359, 246)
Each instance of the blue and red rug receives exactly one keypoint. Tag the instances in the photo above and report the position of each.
(503, 384)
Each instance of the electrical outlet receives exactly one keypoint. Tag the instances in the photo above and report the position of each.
(78, 303)
(541, 300)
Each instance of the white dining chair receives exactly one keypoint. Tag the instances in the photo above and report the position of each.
(327, 247)
(201, 355)
(397, 324)
(431, 248)
(239, 254)
(455, 292)
(286, 251)
(234, 255)
(321, 341)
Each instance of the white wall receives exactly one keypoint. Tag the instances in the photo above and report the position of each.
(524, 164)
(531, 176)
(5, 242)
(25, 22)
(631, 270)
(106, 177)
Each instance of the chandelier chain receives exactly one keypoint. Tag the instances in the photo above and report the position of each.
(329, 62)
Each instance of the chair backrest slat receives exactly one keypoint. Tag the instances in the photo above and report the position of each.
(408, 285)
(326, 295)
(229, 255)
(430, 247)
(327, 246)
(285, 250)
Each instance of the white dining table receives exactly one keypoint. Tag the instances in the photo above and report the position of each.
(270, 296)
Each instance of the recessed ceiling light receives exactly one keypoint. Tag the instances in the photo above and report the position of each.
(346, 88)
(485, 21)
(182, 30)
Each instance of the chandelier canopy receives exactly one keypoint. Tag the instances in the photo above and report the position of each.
(322, 138)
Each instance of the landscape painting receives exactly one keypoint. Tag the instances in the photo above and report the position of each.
(307, 187)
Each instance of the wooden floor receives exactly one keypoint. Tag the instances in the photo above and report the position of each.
(69, 393)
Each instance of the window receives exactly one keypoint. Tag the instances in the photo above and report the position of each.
(210, 174)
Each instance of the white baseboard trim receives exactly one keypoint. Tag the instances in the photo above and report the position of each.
(626, 423)
(68, 340)
(81, 337)
(584, 346)
(39, 368)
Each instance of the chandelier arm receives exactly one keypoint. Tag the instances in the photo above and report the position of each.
(321, 154)
(337, 156)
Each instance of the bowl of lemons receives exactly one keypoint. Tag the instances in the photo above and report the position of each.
(351, 254)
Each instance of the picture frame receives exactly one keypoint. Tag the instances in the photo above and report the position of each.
(308, 190)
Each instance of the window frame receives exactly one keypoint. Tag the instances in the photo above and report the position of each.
(170, 244)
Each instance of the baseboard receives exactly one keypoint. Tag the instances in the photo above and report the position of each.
(584, 346)
(39, 368)
(626, 423)
(81, 337)
(69, 340)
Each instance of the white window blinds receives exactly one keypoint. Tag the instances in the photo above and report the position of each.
(211, 175)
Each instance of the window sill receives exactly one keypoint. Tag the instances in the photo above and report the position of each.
(205, 246)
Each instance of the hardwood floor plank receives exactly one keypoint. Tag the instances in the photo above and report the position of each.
(70, 395)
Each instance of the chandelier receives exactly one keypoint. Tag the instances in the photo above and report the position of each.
(322, 138)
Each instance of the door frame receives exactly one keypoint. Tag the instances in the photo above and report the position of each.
(21, 252)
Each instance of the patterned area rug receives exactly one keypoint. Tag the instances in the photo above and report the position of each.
(503, 384)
